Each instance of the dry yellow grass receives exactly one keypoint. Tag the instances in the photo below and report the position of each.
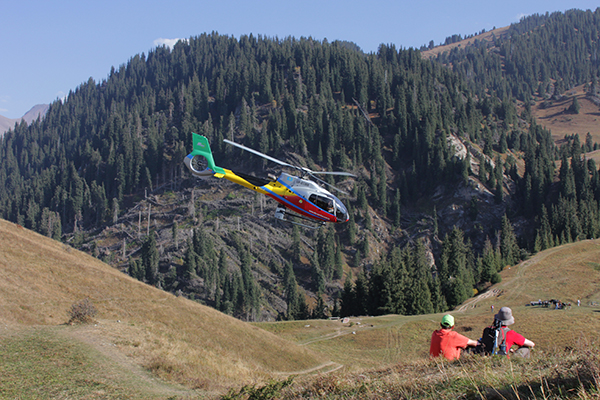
(560, 123)
(177, 339)
(486, 36)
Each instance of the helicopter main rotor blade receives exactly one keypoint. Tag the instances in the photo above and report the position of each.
(303, 169)
(331, 173)
(258, 153)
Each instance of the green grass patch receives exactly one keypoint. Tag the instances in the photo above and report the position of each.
(45, 364)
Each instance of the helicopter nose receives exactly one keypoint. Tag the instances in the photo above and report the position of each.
(342, 218)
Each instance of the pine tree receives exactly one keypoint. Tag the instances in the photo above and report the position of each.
(455, 277)
(380, 282)
(489, 263)
(303, 309)
(361, 295)
(320, 310)
(150, 259)
(189, 265)
(419, 301)
(338, 271)
(574, 107)
(296, 244)
(136, 269)
(396, 209)
(508, 243)
(291, 292)
(347, 300)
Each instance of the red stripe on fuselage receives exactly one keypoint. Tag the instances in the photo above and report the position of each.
(304, 207)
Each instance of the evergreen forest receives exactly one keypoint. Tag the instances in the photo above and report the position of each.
(455, 178)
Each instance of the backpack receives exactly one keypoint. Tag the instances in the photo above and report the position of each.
(493, 340)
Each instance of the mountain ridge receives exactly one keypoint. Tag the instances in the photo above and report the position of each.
(36, 111)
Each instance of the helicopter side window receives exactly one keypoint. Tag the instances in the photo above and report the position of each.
(322, 202)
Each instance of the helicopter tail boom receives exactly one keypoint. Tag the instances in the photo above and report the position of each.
(200, 161)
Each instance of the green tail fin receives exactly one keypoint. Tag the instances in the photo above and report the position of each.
(202, 148)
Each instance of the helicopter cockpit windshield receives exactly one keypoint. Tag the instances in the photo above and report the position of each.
(331, 204)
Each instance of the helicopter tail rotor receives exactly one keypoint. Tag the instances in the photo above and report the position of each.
(200, 161)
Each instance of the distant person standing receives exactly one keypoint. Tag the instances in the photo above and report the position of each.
(492, 308)
(503, 319)
(448, 343)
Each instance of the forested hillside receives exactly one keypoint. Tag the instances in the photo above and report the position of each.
(455, 178)
(535, 63)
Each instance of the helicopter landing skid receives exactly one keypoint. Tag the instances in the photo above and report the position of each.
(281, 212)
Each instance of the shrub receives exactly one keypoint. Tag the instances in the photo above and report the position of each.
(496, 278)
(82, 312)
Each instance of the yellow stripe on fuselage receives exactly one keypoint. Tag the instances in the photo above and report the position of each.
(272, 186)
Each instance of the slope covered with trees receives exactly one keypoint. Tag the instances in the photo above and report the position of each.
(539, 59)
(454, 180)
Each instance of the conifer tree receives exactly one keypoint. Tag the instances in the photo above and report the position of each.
(291, 292)
(456, 279)
(489, 263)
(419, 301)
(347, 307)
(396, 209)
(338, 271)
(508, 243)
(136, 270)
(189, 265)
(296, 244)
(150, 259)
(303, 311)
(361, 295)
(320, 310)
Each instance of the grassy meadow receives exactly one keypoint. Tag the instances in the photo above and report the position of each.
(148, 344)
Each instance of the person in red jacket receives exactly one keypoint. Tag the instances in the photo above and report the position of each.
(505, 318)
(448, 343)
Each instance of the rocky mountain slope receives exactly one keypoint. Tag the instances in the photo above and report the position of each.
(31, 115)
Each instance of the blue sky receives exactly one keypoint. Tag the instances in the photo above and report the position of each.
(48, 48)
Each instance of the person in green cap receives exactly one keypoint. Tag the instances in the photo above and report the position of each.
(448, 343)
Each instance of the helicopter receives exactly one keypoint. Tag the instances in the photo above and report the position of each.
(298, 197)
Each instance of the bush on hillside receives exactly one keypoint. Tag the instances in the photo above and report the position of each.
(82, 312)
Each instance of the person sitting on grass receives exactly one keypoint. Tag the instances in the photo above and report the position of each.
(448, 343)
(509, 337)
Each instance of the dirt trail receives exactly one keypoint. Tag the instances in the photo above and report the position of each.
(91, 335)
(516, 283)
(471, 303)
(314, 369)
(330, 336)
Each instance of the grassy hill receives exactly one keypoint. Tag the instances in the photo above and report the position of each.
(387, 357)
(552, 115)
(139, 329)
(566, 273)
(483, 37)
(146, 343)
